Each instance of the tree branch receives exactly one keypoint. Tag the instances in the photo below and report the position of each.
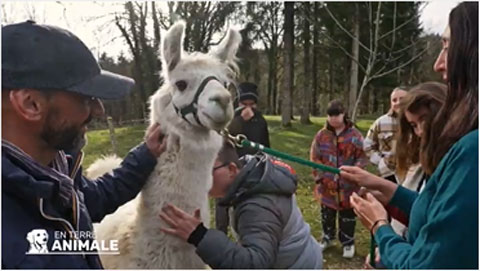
(345, 30)
(343, 50)
(398, 27)
(125, 35)
(394, 24)
(377, 75)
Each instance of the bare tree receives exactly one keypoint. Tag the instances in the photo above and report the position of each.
(377, 65)
(352, 97)
(265, 19)
(203, 20)
(315, 55)
(133, 26)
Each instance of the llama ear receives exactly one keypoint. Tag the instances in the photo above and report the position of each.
(172, 45)
(227, 49)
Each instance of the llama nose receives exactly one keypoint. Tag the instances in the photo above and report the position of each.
(222, 100)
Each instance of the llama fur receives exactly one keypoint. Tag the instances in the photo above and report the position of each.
(104, 165)
(183, 174)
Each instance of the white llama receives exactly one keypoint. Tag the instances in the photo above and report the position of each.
(191, 106)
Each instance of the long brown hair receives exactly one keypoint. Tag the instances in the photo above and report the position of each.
(459, 115)
(430, 96)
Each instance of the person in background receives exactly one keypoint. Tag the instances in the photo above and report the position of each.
(421, 104)
(380, 140)
(251, 123)
(337, 144)
(248, 120)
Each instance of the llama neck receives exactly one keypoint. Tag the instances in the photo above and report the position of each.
(183, 176)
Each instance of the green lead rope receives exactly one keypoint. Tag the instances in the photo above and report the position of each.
(247, 143)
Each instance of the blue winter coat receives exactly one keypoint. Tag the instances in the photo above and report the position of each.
(31, 200)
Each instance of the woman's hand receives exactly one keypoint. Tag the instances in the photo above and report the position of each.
(369, 210)
(384, 199)
(359, 176)
(381, 188)
(182, 224)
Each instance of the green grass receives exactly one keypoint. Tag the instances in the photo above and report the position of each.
(295, 140)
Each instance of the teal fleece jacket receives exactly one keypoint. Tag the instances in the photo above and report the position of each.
(443, 227)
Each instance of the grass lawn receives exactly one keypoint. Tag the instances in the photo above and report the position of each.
(295, 140)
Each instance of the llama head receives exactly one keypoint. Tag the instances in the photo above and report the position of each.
(195, 91)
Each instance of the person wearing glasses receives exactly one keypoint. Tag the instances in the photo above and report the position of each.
(270, 229)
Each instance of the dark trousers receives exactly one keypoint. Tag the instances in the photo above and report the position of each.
(222, 218)
(346, 225)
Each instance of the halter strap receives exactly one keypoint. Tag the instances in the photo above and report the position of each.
(192, 107)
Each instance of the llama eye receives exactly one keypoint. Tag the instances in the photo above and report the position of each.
(181, 85)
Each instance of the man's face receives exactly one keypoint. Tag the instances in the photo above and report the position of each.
(440, 65)
(67, 118)
(223, 176)
(395, 99)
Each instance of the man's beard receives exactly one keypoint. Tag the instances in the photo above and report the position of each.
(69, 138)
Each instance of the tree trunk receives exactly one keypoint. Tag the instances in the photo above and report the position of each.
(269, 80)
(305, 116)
(355, 60)
(314, 106)
(288, 66)
(362, 87)
(331, 78)
(274, 77)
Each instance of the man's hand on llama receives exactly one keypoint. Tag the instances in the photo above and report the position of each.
(155, 140)
(182, 224)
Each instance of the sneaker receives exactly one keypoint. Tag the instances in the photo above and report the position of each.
(348, 251)
(326, 243)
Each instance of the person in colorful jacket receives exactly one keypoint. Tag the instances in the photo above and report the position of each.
(337, 144)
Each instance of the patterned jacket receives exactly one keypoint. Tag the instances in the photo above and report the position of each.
(379, 144)
(332, 150)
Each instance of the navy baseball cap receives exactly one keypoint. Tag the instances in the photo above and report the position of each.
(48, 57)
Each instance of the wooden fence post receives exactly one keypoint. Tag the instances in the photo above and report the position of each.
(111, 130)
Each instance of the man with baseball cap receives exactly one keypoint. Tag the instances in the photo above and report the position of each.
(51, 89)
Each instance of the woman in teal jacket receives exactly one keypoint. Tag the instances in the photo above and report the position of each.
(443, 225)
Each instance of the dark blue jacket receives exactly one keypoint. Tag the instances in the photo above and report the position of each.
(32, 201)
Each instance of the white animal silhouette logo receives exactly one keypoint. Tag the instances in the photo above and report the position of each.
(38, 239)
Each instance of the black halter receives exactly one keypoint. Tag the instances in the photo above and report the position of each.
(192, 107)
